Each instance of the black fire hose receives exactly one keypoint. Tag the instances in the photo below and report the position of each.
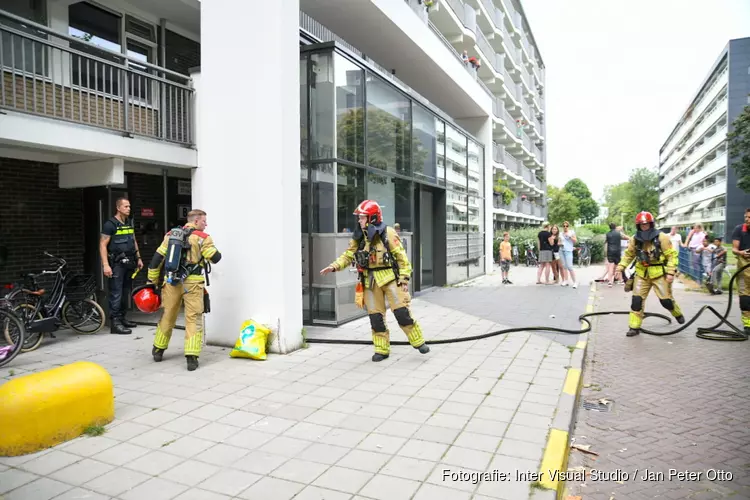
(708, 333)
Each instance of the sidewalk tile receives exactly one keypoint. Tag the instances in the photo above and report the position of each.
(383, 487)
(230, 482)
(41, 489)
(341, 479)
(50, 462)
(270, 488)
(316, 493)
(301, 471)
(431, 492)
(190, 472)
(367, 461)
(408, 468)
(155, 489)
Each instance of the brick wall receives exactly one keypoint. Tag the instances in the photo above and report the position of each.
(36, 215)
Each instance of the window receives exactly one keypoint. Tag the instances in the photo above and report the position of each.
(350, 123)
(322, 197)
(456, 163)
(20, 52)
(321, 106)
(388, 127)
(403, 203)
(350, 191)
(99, 27)
(382, 189)
(425, 145)
(303, 108)
(440, 129)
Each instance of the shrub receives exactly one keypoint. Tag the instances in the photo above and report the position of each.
(597, 228)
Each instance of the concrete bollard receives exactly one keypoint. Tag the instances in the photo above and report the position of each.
(44, 409)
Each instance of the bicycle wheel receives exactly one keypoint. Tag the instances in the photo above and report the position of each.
(86, 312)
(14, 332)
(26, 313)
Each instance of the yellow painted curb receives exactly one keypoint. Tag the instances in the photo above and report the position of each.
(572, 381)
(44, 409)
(555, 459)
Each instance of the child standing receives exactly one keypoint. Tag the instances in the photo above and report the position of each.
(505, 257)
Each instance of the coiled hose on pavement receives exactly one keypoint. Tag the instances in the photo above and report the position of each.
(708, 333)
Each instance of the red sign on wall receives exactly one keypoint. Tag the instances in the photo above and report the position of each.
(147, 212)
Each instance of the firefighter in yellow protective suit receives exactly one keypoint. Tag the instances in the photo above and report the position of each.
(656, 262)
(384, 274)
(741, 248)
(187, 287)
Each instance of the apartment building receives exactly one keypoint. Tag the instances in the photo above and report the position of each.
(169, 104)
(697, 183)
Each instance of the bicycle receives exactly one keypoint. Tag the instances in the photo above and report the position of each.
(14, 332)
(584, 254)
(70, 302)
(531, 258)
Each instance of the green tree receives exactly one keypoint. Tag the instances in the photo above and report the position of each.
(618, 199)
(739, 148)
(588, 208)
(644, 190)
(562, 206)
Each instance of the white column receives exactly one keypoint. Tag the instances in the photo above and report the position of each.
(248, 178)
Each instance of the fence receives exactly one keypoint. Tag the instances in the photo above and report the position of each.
(690, 265)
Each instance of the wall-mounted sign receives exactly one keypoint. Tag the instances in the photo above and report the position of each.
(182, 211)
(147, 212)
(183, 187)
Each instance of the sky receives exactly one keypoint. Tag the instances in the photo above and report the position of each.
(619, 74)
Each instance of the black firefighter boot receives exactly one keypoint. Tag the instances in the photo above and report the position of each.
(192, 363)
(118, 328)
(424, 348)
(633, 332)
(379, 357)
(127, 323)
(157, 353)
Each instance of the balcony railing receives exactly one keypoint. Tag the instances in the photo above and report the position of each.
(498, 151)
(511, 163)
(484, 46)
(77, 81)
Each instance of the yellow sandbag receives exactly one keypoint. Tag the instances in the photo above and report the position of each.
(252, 341)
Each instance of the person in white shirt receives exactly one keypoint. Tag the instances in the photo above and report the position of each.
(675, 237)
(569, 240)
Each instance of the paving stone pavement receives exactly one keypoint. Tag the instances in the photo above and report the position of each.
(680, 402)
(320, 423)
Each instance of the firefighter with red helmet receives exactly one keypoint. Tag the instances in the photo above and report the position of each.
(655, 265)
(384, 271)
(194, 259)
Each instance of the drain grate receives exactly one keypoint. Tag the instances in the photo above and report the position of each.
(599, 405)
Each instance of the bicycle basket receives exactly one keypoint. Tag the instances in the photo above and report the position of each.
(80, 287)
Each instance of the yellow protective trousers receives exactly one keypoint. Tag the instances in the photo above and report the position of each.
(172, 297)
(743, 285)
(399, 300)
(641, 288)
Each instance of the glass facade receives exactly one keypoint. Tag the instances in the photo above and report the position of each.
(363, 138)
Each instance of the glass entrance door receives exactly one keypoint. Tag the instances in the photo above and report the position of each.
(426, 239)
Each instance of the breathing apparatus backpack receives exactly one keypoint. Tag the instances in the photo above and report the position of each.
(178, 245)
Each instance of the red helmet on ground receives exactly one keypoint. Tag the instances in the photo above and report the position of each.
(146, 299)
(644, 218)
(371, 209)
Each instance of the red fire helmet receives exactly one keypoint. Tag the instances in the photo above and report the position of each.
(146, 299)
(644, 218)
(371, 209)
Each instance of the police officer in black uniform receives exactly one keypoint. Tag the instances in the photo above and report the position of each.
(120, 256)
